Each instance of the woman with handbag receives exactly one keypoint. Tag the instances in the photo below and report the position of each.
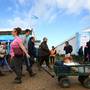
(17, 50)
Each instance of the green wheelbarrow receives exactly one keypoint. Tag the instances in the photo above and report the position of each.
(64, 71)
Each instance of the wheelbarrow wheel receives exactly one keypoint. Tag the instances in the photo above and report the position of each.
(64, 82)
(81, 79)
(87, 83)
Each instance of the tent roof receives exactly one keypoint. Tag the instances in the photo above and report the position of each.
(9, 32)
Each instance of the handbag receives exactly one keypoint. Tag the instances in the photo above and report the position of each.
(18, 51)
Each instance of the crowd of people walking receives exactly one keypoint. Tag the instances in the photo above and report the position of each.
(23, 51)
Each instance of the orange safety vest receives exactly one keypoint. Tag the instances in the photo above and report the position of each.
(53, 52)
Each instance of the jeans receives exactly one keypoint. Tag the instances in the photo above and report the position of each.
(18, 66)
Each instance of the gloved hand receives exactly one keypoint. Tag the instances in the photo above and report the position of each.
(27, 55)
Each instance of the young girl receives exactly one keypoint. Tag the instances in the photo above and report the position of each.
(68, 59)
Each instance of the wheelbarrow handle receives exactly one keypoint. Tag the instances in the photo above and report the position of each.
(48, 72)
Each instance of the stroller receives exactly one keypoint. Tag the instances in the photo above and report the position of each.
(3, 54)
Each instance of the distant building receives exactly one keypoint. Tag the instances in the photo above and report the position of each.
(79, 39)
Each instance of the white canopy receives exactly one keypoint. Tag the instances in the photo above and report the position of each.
(86, 30)
(5, 29)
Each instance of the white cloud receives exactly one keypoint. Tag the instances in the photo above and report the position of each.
(22, 2)
(17, 21)
(22, 22)
(87, 5)
(47, 10)
(43, 9)
(73, 6)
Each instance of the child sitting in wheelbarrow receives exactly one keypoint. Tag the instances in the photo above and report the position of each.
(66, 63)
(71, 65)
(68, 59)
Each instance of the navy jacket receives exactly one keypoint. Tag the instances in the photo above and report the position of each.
(31, 48)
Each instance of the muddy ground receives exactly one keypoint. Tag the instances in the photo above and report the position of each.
(42, 81)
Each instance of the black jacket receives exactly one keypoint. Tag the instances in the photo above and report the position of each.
(43, 49)
(80, 52)
(31, 48)
(87, 49)
(68, 49)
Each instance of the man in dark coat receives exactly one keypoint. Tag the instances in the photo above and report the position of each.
(32, 53)
(80, 53)
(44, 53)
(68, 48)
(87, 52)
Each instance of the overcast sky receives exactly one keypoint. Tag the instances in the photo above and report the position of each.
(57, 20)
